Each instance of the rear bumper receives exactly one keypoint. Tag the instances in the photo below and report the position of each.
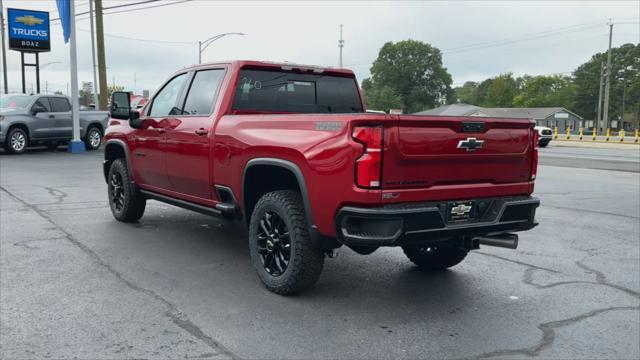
(416, 223)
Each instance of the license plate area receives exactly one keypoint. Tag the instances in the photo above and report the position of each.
(461, 211)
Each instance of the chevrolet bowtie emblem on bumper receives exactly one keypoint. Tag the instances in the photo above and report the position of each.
(471, 144)
(460, 210)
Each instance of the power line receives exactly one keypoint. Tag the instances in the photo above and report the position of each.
(502, 43)
(144, 40)
(128, 10)
(520, 38)
(561, 29)
(113, 7)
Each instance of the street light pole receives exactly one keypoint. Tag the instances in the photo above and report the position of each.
(203, 45)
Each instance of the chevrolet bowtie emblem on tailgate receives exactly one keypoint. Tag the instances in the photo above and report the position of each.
(471, 144)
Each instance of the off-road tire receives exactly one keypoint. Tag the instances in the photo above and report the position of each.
(432, 258)
(130, 207)
(16, 148)
(306, 258)
(93, 138)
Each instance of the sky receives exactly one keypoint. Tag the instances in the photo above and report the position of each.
(478, 39)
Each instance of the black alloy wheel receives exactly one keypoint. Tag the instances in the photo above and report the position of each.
(274, 243)
(116, 190)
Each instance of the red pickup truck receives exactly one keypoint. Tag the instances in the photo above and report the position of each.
(291, 150)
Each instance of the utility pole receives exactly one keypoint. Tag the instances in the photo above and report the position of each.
(102, 68)
(96, 101)
(135, 84)
(599, 115)
(341, 44)
(608, 85)
(4, 51)
(624, 100)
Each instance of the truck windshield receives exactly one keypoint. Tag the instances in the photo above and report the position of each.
(282, 91)
(15, 101)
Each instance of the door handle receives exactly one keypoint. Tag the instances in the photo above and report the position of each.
(160, 130)
(52, 116)
(202, 132)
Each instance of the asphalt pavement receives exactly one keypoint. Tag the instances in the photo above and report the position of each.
(74, 283)
(626, 159)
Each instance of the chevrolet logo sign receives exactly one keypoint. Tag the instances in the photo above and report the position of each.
(29, 20)
(471, 144)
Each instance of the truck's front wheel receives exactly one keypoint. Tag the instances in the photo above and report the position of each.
(282, 250)
(126, 202)
(433, 257)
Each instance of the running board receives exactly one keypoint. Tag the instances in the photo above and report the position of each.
(183, 204)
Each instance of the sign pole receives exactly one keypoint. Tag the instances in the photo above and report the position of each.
(37, 73)
(24, 88)
(75, 145)
(4, 51)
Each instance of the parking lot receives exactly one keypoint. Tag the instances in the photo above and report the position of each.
(76, 283)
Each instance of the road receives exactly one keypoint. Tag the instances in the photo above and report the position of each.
(76, 283)
(591, 158)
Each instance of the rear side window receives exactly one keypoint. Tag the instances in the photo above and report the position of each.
(59, 104)
(203, 92)
(282, 91)
(44, 102)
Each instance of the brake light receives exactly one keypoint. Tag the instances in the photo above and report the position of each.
(369, 165)
(534, 163)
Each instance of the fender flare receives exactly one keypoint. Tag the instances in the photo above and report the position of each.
(125, 149)
(296, 172)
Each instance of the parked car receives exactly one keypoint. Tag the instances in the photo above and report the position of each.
(545, 135)
(27, 120)
(291, 150)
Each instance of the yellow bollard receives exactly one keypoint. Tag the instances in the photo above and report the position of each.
(621, 134)
(568, 133)
(580, 133)
(555, 132)
(608, 135)
(595, 134)
(635, 140)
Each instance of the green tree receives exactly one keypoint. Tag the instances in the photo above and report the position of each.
(625, 68)
(546, 91)
(411, 71)
(501, 91)
(380, 98)
(466, 93)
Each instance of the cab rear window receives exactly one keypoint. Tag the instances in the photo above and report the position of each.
(284, 91)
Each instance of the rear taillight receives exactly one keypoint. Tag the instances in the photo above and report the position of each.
(369, 165)
(534, 163)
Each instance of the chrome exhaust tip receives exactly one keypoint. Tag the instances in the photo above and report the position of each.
(509, 241)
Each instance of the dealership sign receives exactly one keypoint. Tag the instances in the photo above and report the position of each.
(28, 30)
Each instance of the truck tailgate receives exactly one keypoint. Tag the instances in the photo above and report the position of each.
(426, 151)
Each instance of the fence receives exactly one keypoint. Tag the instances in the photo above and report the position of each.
(610, 136)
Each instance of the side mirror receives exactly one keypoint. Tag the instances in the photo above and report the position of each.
(38, 109)
(120, 105)
(134, 119)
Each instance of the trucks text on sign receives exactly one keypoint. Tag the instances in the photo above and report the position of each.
(28, 30)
